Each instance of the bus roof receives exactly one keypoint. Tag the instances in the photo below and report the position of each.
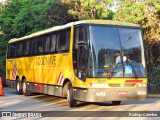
(56, 28)
(106, 22)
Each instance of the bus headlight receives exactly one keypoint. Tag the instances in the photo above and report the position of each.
(141, 85)
(98, 85)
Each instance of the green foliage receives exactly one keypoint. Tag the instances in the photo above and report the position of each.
(89, 9)
(147, 15)
(57, 14)
(3, 44)
(21, 17)
(32, 17)
(7, 15)
(154, 86)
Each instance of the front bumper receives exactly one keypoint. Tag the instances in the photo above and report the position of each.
(109, 94)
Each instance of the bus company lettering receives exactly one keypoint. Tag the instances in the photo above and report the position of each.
(46, 60)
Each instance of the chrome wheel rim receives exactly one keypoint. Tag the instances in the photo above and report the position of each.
(24, 87)
(18, 86)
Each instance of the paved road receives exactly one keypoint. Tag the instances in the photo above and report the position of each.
(39, 102)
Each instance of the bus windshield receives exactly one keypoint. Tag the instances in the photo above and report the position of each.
(115, 51)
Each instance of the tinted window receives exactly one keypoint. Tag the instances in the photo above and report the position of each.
(47, 44)
(53, 42)
(18, 49)
(63, 38)
(40, 49)
(26, 48)
(33, 46)
(11, 51)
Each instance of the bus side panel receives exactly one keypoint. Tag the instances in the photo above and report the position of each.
(50, 71)
(45, 88)
(47, 69)
(9, 69)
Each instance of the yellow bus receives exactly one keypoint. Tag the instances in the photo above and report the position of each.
(89, 60)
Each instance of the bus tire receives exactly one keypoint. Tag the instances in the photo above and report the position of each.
(116, 102)
(24, 88)
(65, 88)
(19, 87)
(72, 102)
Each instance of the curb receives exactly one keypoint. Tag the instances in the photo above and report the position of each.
(153, 96)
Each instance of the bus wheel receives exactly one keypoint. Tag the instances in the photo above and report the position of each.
(71, 101)
(18, 87)
(116, 102)
(24, 88)
(65, 88)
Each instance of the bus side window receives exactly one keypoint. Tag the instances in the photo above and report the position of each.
(47, 44)
(40, 45)
(57, 42)
(53, 42)
(33, 46)
(11, 51)
(26, 48)
(18, 49)
(27, 52)
(67, 39)
(63, 41)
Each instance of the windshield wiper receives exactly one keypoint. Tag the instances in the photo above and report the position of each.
(127, 39)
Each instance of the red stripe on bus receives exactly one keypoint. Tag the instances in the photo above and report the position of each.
(13, 75)
(133, 81)
(58, 78)
(14, 71)
(61, 79)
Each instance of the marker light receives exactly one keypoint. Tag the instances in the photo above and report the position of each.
(141, 85)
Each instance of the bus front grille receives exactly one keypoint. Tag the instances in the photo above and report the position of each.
(122, 85)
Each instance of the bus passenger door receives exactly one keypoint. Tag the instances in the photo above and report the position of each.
(80, 53)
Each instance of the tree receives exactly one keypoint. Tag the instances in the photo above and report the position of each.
(57, 14)
(22, 17)
(147, 15)
(89, 9)
(31, 16)
(7, 14)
